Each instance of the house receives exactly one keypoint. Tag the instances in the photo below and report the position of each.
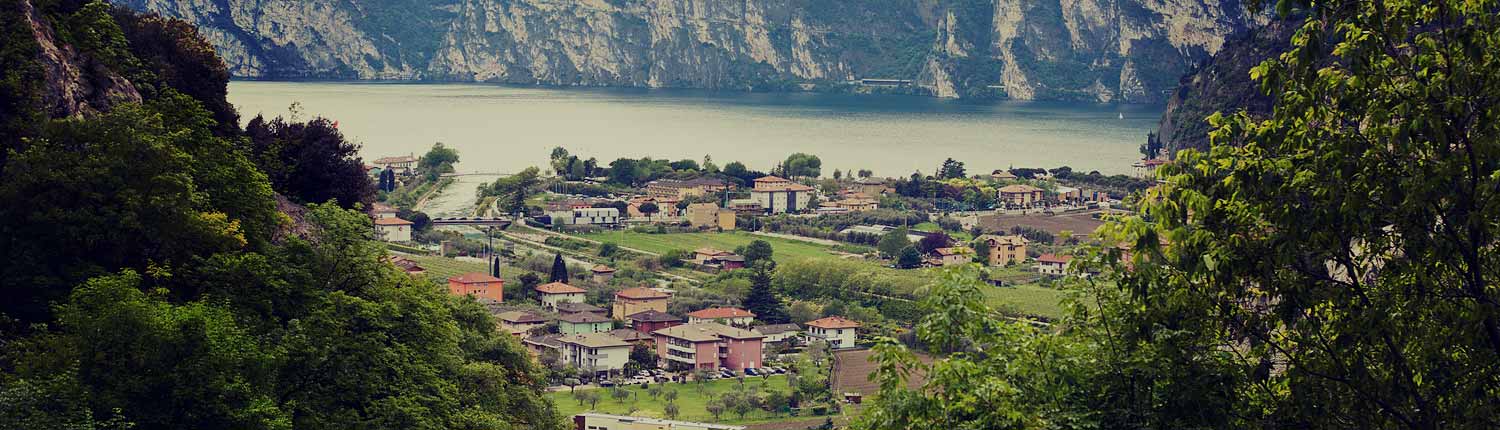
(706, 254)
(870, 187)
(682, 190)
(402, 164)
(732, 316)
(602, 273)
(952, 256)
(777, 333)
(478, 285)
(393, 229)
(1066, 194)
(710, 216)
(746, 206)
(597, 352)
(540, 344)
(650, 321)
(780, 195)
(596, 421)
(837, 330)
(1146, 168)
(550, 294)
(1005, 249)
(858, 203)
(382, 211)
(708, 346)
(564, 308)
(1050, 264)
(584, 322)
(1002, 175)
(518, 323)
(666, 207)
(585, 216)
(406, 265)
(725, 262)
(1021, 195)
(634, 337)
(634, 300)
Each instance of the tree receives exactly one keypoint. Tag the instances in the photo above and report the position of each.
(670, 410)
(644, 357)
(608, 249)
(619, 394)
(865, 173)
(742, 406)
(981, 251)
(623, 171)
(512, 191)
(714, 407)
(758, 250)
(802, 312)
(760, 300)
(837, 175)
(933, 241)
(437, 161)
(310, 162)
(910, 258)
(802, 165)
(670, 395)
(952, 169)
(893, 242)
(559, 269)
(593, 397)
(776, 401)
(649, 208)
(559, 161)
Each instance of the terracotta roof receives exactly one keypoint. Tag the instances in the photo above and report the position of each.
(717, 313)
(559, 288)
(602, 269)
(382, 208)
(833, 322)
(474, 277)
(547, 340)
(1052, 258)
(583, 318)
(653, 315)
(641, 293)
(772, 178)
(711, 251)
(957, 250)
(570, 308)
(707, 332)
(392, 221)
(594, 340)
(1004, 240)
(397, 159)
(784, 187)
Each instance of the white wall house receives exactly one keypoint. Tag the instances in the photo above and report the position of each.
(585, 216)
(552, 294)
(840, 332)
(393, 229)
(779, 195)
(599, 352)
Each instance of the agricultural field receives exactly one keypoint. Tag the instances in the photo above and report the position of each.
(691, 398)
(440, 268)
(786, 249)
(1027, 299)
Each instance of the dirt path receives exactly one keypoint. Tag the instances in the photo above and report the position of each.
(812, 240)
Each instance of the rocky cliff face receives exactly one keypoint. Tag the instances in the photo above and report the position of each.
(1222, 84)
(1104, 50)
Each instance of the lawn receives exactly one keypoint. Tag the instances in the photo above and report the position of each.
(440, 268)
(691, 398)
(1027, 299)
(659, 243)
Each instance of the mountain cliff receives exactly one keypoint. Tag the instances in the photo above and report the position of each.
(1222, 84)
(1100, 50)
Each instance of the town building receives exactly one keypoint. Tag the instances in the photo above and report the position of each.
(778, 333)
(732, 316)
(600, 353)
(1002, 175)
(682, 190)
(542, 343)
(1005, 249)
(1050, 264)
(602, 273)
(746, 207)
(952, 256)
(564, 308)
(857, 203)
(708, 346)
(706, 254)
(407, 265)
(650, 321)
(1021, 195)
(1146, 168)
(596, 421)
(840, 332)
(666, 207)
(478, 285)
(552, 293)
(634, 337)
(779, 195)
(584, 322)
(710, 216)
(1070, 195)
(585, 216)
(383, 211)
(402, 164)
(393, 229)
(631, 301)
(518, 323)
(870, 187)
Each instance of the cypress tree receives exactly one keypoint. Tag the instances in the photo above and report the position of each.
(760, 300)
(559, 270)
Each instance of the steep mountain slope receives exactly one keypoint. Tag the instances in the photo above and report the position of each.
(1106, 50)
(1222, 84)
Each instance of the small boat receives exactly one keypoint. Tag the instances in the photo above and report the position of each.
(1122, 116)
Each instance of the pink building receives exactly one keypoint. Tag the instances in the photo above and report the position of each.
(477, 285)
(708, 346)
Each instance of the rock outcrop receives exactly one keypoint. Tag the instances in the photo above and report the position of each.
(1100, 50)
(1222, 84)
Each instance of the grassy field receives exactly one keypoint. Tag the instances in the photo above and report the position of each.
(691, 398)
(1027, 299)
(784, 249)
(440, 268)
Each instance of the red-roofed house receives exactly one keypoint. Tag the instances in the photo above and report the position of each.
(708, 346)
(1049, 264)
(780, 195)
(732, 316)
(650, 321)
(837, 330)
(393, 229)
(553, 293)
(477, 285)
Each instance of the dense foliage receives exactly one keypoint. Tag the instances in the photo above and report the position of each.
(310, 162)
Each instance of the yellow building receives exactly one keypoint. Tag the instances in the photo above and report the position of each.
(709, 215)
(1004, 249)
(631, 301)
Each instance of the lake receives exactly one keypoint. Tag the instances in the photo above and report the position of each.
(507, 128)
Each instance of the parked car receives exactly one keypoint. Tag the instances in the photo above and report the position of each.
(606, 384)
(750, 371)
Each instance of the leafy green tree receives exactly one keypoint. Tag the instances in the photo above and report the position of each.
(624, 171)
(802, 165)
(714, 407)
(670, 409)
(559, 269)
(310, 162)
(776, 401)
(512, 191)
(893, 242)
(909, 258)
(757, 250)
(952, 169)
(649, 208)
(760, 300)
(608, 249)
(802, 312)
(437, 161)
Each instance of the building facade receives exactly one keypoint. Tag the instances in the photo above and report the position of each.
(585, 216)
(393, 229)
(710, 216)
(600, 353)
(732, 316)
(1005, 249)
(779, 195)
(708, 346)
(635, 300)
(584, 323)
(650, 321)
(838, 331)
(1049, 264)
(478, 285)
(553, 293)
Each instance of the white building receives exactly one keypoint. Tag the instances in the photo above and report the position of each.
(585, 216)
(555, 293)
(1049, 264)
(599, 352)
(778, 332)
(595, 421)
(779, 195)
(838, 331)
(393, 229)
(732, 316)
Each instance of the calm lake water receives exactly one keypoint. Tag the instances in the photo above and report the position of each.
(504, 128)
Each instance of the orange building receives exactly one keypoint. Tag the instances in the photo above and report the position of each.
(477, 285)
